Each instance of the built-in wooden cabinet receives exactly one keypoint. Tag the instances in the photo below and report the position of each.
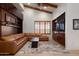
(58, 29)
(9, 22)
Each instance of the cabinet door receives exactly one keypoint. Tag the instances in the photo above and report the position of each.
(10, 18)
(55, 36)
(61, 38)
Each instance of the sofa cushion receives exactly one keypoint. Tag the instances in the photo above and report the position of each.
(8, 38)
(18, 36)
(19, 41)
(12, 37)
(33, 34)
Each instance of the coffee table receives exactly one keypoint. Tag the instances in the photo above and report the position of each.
(34, 43)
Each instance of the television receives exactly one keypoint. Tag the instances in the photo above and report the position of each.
(60, 27)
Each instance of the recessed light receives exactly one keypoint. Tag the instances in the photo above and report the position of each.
(45, 7)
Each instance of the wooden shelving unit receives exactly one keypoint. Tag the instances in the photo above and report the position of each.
(9, 22)
(58, 29)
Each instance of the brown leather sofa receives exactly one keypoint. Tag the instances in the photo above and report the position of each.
(11, 44)
(42, 37)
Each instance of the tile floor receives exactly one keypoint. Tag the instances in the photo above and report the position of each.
(45, 49)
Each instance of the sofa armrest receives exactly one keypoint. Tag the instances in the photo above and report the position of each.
(7, 47)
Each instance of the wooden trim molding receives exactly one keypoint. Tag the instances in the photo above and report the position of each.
(35, 8)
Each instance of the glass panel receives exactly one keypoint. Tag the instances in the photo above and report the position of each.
(36, 27)
(42, 27)
(47, 27)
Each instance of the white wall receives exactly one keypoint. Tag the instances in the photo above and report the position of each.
(71, 36)
(30, 16)
(61, 9)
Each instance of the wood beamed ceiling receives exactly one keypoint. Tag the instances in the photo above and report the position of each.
(41, 9)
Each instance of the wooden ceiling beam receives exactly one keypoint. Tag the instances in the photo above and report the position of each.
(47, 4)
(36, 8)
(52, 5)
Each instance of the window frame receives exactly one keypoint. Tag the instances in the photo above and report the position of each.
(44, 26)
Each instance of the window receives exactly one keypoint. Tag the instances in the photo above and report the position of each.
(42, 27)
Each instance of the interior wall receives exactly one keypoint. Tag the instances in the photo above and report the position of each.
(30, 16)
(72, 36)
(60, 9)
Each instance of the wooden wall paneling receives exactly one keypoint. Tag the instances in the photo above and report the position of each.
(0, 23)
(10, 27)
(11, 9)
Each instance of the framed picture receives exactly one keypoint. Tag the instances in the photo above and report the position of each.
(76, 24)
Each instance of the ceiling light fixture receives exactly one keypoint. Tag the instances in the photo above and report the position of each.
(45, 7)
